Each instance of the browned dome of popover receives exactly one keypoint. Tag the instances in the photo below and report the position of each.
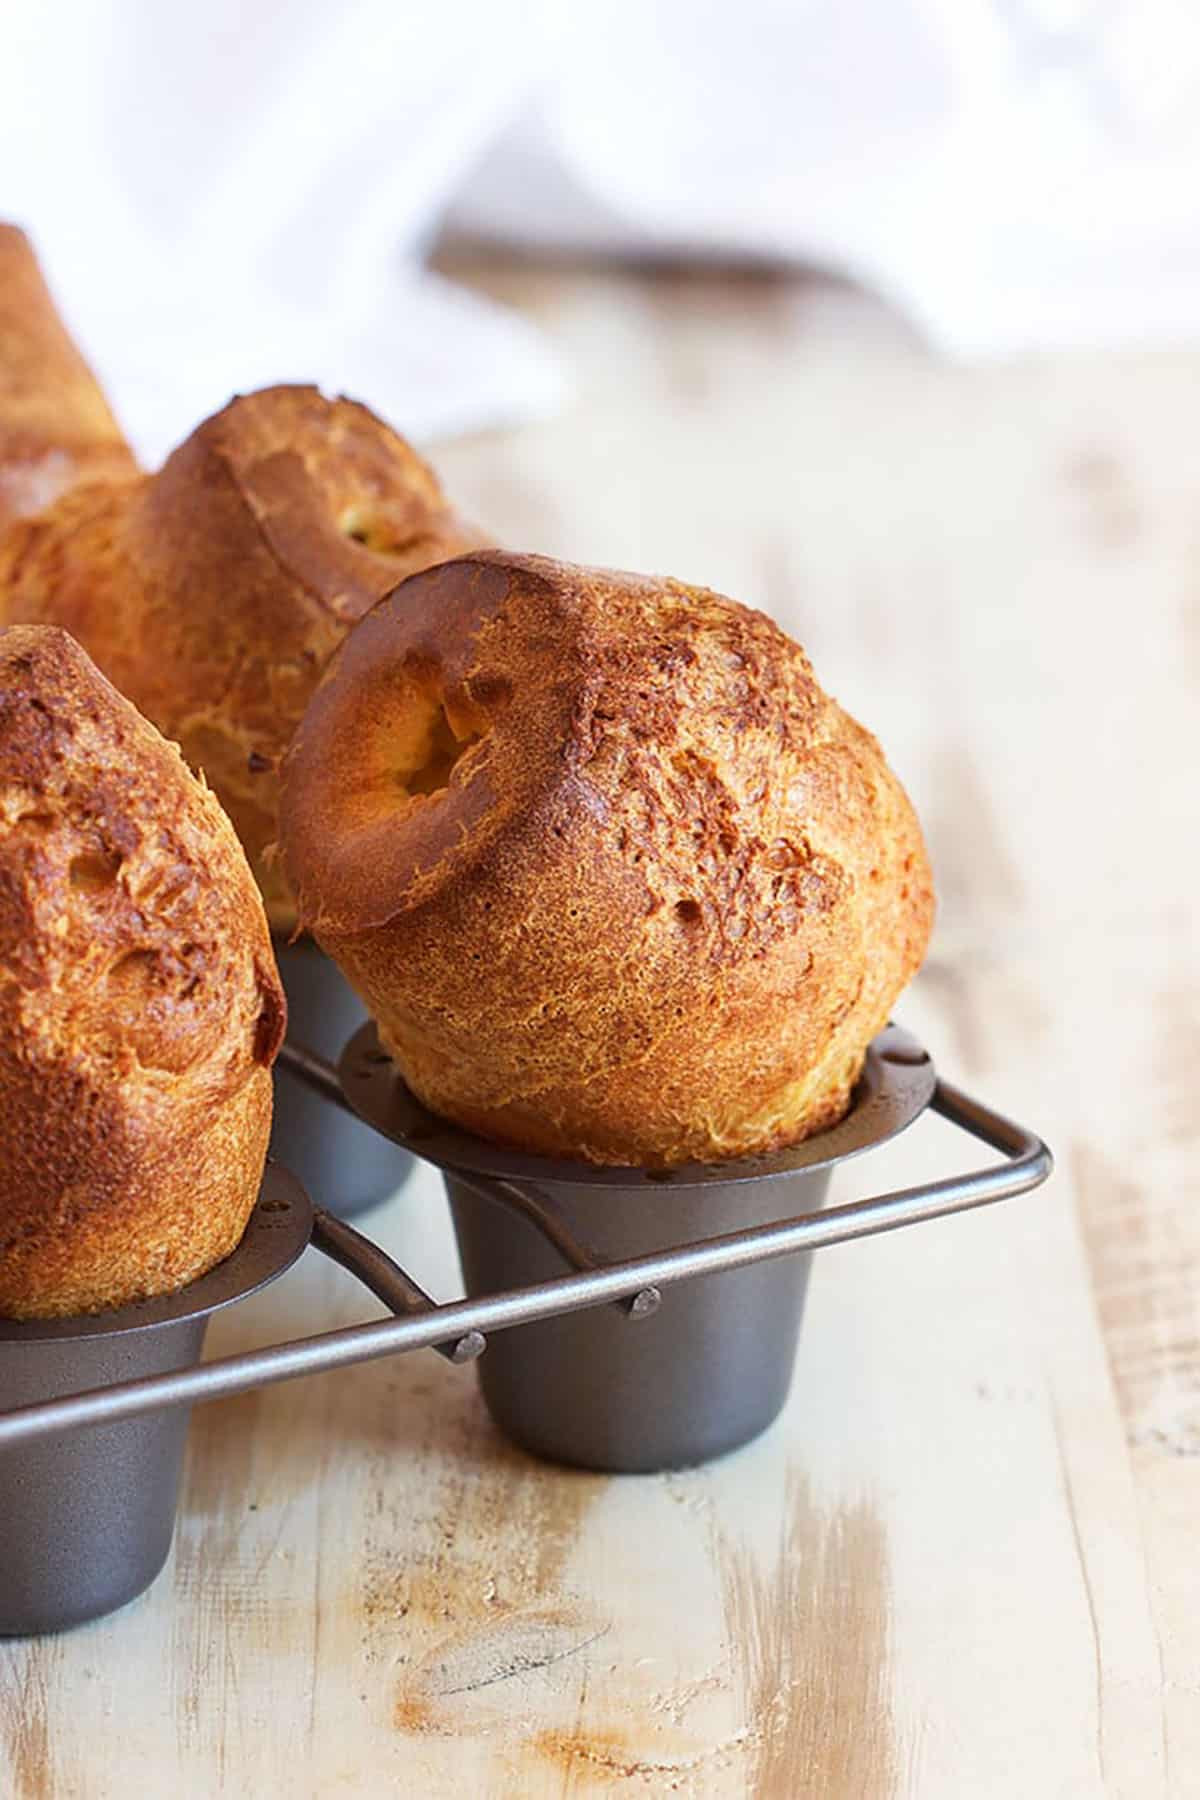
(214, 592)
(616, 878)
(55, 425)
(140, 1007)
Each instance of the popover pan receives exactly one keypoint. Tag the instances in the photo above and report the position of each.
(87, 1516)
(87, 1506)
(653, 1320)
(710, 1368)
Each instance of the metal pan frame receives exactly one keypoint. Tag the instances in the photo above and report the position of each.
(900, 1081)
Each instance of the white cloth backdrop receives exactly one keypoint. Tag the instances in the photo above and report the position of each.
(241, 192)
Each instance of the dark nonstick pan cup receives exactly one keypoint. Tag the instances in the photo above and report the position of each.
(344, 1165)
(87, 1515)
(709, 1370)
(640, 1386)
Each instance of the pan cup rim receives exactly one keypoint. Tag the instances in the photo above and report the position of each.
(276, 1234)
(896, 1085)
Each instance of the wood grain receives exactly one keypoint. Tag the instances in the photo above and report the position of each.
(812, 1628)
(964, 1562)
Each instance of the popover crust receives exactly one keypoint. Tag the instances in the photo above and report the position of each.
(616, 878)
(213, 593)
(140, 1007)
(55, 425)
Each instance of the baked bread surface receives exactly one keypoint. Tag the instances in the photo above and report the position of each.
(616, 878)
(55, 425)
(214, 592)
(140, 1007)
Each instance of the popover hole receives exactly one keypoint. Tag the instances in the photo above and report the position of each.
(444, 751)
(687, 912)
(92, 872)
(426, 744)
(137, 970)
(376, 533)
(146, 1008)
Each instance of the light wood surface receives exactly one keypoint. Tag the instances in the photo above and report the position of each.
(965, 1563)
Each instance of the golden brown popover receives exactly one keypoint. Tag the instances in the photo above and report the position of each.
(140, 1007)
(55, 426)
(615, 877)
(213, 593)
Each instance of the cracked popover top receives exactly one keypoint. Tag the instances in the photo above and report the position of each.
(140, 1006)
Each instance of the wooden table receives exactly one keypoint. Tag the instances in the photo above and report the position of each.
(965, 1563)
